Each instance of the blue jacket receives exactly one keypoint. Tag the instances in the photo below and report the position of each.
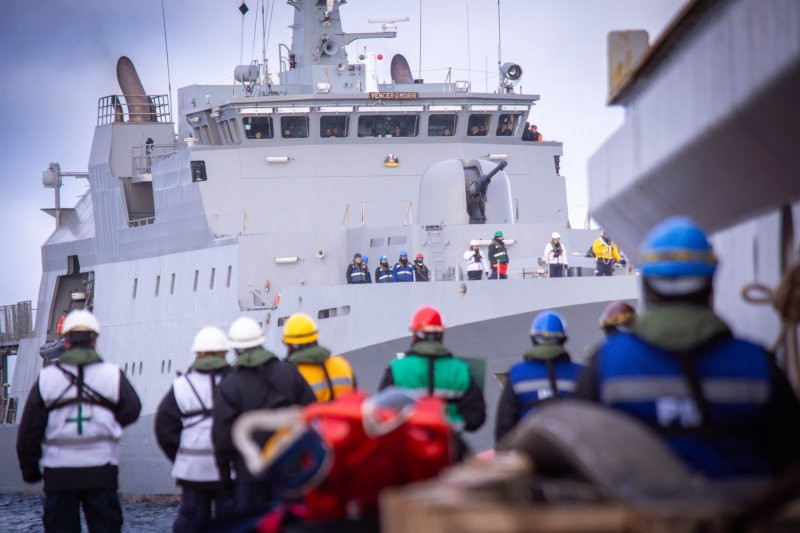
(650, 384)
(402, 272)
(528, 384)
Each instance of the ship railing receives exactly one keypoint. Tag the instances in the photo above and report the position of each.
(16, 321)
(116, 109)
(145, 156)
(361, 209)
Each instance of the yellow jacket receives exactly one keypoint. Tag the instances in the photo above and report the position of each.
(329, 376)
(605, 251)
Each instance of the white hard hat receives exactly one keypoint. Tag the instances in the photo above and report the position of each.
(245, 333)
(80, 320)
(556, 235)
(474, 242)
(210, 339)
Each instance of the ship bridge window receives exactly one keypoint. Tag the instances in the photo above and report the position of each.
(442, 125)
(258, 127)
(333, 125)
(388, 125)
(294, 127)
(478, 125)
(509, 125)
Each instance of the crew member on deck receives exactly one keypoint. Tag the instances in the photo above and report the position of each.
(383, 274)
(258, 380)
(556, 256)
(476, 263)
(498, 257)
(183, 431)
(356, 272)
(403, 270)
(421, 272)
(329, 376)
(72, 423)
(606, 254)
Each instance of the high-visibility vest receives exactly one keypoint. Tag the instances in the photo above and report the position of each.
(81, 431)
(531, 384)
(194, 394)
(735, 377)
(330, 379)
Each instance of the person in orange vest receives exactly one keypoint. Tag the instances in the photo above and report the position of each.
(606, 254)
(329, 376)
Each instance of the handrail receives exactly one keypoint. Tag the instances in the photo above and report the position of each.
(115, 109)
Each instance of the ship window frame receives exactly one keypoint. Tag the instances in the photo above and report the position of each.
(401, 239)
(487, 123)
(234, 131)
(383, 133)
(346, 126)
(249, 120)
(296, 119)
(226, 134)
(375, 242)
(453, 128)
(516, 131)
(282, 320)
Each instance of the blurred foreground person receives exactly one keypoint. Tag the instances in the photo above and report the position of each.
(617, 317)
(719, 402)
(183, 430)
(547, 372)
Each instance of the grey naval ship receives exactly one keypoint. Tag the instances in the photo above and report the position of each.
(257, 204)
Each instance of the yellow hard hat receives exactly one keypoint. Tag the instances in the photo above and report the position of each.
(300, 329)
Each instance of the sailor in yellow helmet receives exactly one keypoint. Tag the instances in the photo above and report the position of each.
(329, 376)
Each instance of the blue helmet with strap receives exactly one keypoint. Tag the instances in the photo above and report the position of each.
(403, 253)
(365, 259)
(548, 328)
(676, 247)
(383, 257)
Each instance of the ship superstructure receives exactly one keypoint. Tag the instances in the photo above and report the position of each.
(259, 203)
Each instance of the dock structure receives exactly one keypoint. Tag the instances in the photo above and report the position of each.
(711, 127)
(16, 322)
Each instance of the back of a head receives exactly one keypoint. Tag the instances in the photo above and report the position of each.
(677, 262)
(427, 324)
(617, 316)
(245, 333)
(300, 331)
(548, 327)
(80, 328)
(210, 340)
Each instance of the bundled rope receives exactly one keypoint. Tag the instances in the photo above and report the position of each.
(786, 301)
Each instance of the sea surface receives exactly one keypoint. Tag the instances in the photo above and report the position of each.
(23, 512)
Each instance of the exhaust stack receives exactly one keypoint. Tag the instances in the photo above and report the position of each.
(140, 108)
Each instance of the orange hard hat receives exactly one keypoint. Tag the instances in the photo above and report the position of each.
(427, 320)
(617, 314)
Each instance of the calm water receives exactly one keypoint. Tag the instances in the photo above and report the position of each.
(23, 512)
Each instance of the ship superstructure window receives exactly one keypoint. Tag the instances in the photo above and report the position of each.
(196, 277)
(234, 129)
(135, 286)
(478, 125)
(228, 281)
(172, 284)
(388, 125)
(333, 126)
(442, 125)
(509, 125)
(158, 285)
(226, 134)
(376, 241)
(258, 127)
(211, 284)
(294, 127)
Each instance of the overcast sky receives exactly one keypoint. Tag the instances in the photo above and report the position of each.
(58, 57)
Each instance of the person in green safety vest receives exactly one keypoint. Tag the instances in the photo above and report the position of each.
(428, 367)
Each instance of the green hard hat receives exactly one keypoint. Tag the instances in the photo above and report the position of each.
(498, 234)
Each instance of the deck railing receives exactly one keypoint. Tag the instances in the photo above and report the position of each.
(115, 108)
(16, 321)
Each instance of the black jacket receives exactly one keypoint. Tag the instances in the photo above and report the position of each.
(168, 427)
(31, 434)
(496, 248)
(421, 272)
(270, 385)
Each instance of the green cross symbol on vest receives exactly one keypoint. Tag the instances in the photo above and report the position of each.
(80, 419)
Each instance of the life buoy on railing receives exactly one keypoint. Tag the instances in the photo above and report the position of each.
(266, 284)
(60, 325)
(276, 301)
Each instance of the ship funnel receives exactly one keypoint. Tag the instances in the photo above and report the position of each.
(330, 47)
(401, 72)
(139, 107)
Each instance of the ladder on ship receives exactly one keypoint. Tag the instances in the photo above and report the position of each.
(436, 246)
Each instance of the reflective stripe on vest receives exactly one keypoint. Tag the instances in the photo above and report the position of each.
(735, 378)
(404, 273)
(358, 276)
(384, 275)
(338, 371)
(80, 433)
(194, 396)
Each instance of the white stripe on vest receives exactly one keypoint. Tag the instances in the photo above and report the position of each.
(195, 458)
(80, 434)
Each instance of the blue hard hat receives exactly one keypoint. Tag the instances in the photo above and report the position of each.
(548, 326)
(365, 259)
(382, 257)
(403, 253)
(676, 247)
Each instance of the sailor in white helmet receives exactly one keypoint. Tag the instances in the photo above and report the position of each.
(72, 423)
(183, 430)
(476, 263)
(556, 256)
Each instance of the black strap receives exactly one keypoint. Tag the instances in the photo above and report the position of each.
(692, 376)
(431, 384)
(551, 377)
(204, 411)
(86, 394)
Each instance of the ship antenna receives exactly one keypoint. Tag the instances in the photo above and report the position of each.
(166, 49)
(469, 53)
(420, 39)
(499, 55)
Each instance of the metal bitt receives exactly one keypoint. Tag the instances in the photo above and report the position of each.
(51, 179)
